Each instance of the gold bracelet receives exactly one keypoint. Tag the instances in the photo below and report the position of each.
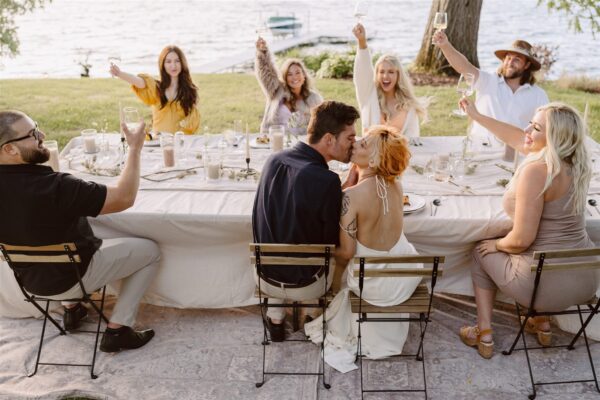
(496, 244)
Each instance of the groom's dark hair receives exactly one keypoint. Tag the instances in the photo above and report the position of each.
(330, 117)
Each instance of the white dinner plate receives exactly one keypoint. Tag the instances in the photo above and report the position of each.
(417, 203)
(152, 143)
(255, 145)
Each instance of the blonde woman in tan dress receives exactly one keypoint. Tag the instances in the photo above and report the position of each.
(546, 202)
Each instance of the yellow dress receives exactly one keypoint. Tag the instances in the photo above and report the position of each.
(171, 117)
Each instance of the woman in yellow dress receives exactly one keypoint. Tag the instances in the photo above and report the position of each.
(173, 98)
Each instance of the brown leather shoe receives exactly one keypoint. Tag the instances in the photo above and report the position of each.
(471, 336)
(544, 338)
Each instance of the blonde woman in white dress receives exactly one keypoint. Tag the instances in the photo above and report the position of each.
(370, 225)
(385, 93)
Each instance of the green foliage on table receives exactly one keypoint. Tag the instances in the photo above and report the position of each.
(63, 107)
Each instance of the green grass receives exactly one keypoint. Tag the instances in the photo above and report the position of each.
(63, 107)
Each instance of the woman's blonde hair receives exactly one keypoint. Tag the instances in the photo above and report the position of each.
(306, 86)
(403, 91)
(390, 156)
(565, 136)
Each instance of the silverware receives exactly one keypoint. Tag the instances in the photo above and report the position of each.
(435, 204)
(594, 203)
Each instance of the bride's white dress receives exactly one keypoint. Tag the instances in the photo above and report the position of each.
(378, 339)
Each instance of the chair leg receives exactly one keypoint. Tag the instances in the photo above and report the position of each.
(359, 356)
(324, 309)
(265, 341)
(593, 312)
(421, 350)
(39, 353)
(295, 316)
(533, 395)
(100, 318)
(587, 346)
(521, 329)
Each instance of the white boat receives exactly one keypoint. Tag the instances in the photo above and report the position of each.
(283, 25)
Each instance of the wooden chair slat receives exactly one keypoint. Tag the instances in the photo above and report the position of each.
(417, 303)
(567, 253)
(396, 272)
(329, 295)
(53, 247)
(24, 258)
(283, 261)
(399, 260)
(567, 266)
(291, 248)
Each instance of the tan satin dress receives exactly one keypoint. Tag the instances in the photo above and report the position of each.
(558, 229)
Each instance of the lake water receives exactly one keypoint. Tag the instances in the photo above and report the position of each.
(53, 39)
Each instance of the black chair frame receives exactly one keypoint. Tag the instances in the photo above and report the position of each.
(524, 313)
(423, 319)
(264, 305)
(69, 249)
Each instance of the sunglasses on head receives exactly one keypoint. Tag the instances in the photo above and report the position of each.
(35, 132)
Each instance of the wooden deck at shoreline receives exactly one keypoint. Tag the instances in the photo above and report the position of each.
(276, 46)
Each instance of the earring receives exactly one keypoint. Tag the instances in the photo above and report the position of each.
(371, 162)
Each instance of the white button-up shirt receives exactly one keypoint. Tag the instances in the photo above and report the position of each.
(497, 100)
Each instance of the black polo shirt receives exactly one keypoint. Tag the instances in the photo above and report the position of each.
(40, 207)
(298, 201)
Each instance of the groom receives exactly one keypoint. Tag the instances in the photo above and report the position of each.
(298, 201)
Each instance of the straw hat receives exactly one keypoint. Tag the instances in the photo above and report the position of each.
(520, 47)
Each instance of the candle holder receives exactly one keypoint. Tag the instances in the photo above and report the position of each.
(247, 172)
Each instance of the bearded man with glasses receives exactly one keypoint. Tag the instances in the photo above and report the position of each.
(40, 207)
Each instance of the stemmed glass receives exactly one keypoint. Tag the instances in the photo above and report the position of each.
(261, 27)
(114, 59)
(465, 88)
(440, 21)
(361, 9)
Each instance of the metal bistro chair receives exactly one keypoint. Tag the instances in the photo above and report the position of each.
(419, 303)
(590, 307)
(284, 256)
(65, 253)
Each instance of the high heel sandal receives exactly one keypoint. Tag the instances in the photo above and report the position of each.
(544, 338)
(485, 349)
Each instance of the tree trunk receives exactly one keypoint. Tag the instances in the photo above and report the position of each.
(462, 31)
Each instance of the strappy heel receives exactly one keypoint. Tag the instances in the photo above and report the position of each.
(485, 349)
(544, 338)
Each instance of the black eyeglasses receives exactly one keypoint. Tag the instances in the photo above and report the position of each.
(35, 132)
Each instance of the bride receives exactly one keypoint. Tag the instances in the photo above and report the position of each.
(371, 225)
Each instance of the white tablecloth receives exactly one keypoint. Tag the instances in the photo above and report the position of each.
(203, 231)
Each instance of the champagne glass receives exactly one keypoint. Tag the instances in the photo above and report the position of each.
(440, 21)
(465, 88)
(114, 59)
(131, 118)
(361, 9)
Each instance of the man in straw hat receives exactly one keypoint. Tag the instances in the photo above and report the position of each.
(510, 94)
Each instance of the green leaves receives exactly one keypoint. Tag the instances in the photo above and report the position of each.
(9, 42)
(577, 11)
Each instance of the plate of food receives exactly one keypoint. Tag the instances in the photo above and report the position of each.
(260, 142)
(413, 203)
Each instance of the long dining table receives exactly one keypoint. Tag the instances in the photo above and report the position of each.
(203, 226)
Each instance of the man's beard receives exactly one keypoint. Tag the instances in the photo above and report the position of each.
(35, 156)
(515, 74)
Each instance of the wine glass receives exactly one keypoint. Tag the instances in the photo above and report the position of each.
(361, 9)
(440, 21)
(131, 118)
(465, 88)
(114, 59)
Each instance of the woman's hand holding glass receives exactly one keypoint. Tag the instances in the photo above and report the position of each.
(114, 70)
(468, 107)
(261, 44)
